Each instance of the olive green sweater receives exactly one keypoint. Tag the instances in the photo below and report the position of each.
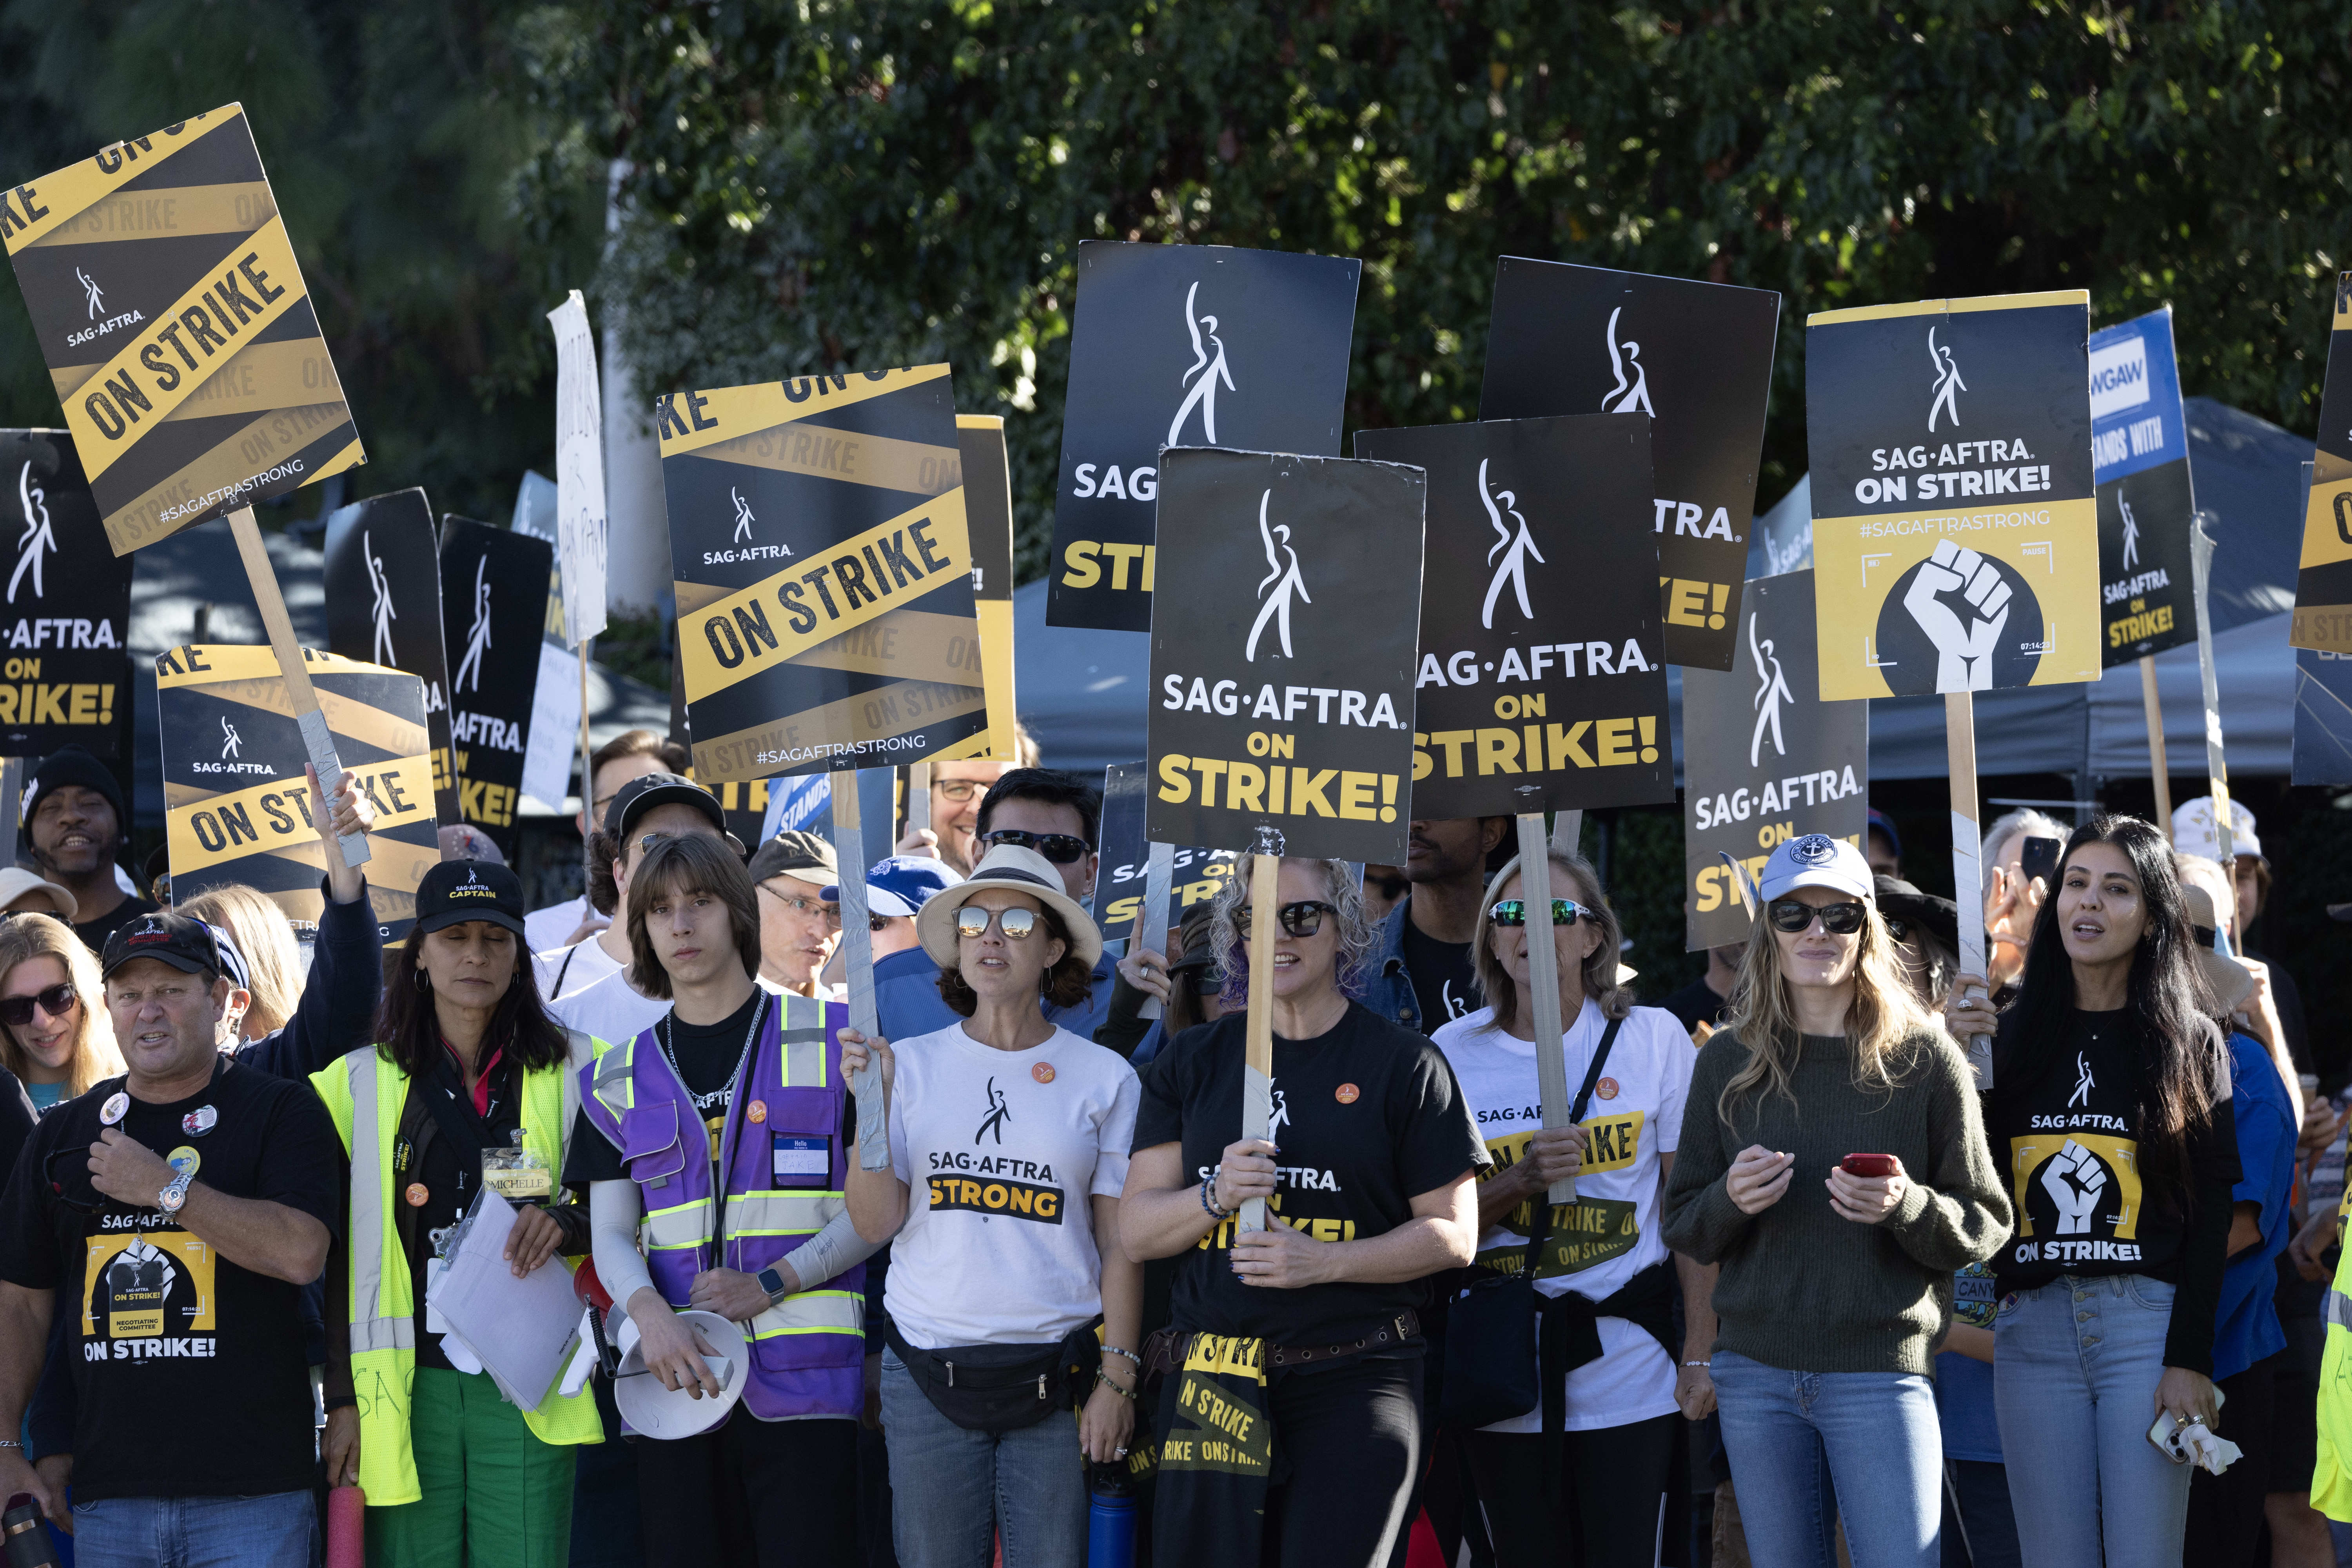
(1802, 1288)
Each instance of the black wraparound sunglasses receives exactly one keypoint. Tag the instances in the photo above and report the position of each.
(1060, 848)
(1304, 918)
(1794, 915)
(56, 1001)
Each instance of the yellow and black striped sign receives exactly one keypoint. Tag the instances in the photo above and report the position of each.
(824, 575)
(237, 806)
(2323, 584)
(171, 311)
(988, 514)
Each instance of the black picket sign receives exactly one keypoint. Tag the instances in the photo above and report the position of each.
(384, 606)
(65, 628)
(2139, 454)
(1183, 345)
(493, 607)
(1196, 874)
(1696, 358)
(1290, 707)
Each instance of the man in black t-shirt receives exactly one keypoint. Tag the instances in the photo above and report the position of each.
(1421, 966)
(187, 1204)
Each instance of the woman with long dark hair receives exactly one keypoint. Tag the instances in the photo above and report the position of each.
(470, 1084)
(1834, 1164)
(2110, 1110)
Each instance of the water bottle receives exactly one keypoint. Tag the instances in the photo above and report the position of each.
(26, 1531)
(1110, 1518)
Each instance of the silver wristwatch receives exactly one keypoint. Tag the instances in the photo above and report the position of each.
(173, 1197)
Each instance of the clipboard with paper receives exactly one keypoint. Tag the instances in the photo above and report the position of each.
(524, 1330)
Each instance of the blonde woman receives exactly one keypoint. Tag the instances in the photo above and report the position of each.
(54, 1033)
(273, 964)
(1831, 1298)
(1593, 1464)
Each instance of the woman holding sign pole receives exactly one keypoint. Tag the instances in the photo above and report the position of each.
(2111, 1107)
(1593, 1464)
(1291, 1412)
(1836, 1169)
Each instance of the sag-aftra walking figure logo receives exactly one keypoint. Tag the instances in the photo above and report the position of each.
(1283, 579)
(1519, 548)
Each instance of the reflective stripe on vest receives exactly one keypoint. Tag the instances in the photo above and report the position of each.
(371, 1234)
(686, 1226)
(803, 1056)
(782, 1214)
(812, 1312)
(2337, 1310)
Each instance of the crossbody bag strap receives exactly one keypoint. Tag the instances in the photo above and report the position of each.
(1541, 1232)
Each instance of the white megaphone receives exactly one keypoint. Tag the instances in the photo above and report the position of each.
(653, 1410)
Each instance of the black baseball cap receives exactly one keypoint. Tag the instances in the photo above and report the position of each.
(180, 941)
(458, 890)
(648, 791)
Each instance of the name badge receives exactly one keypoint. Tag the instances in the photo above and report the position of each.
(517, 1175)
(800, 1161)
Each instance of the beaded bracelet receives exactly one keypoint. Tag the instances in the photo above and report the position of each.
(1216, 1210)
(1103, 1378)
(1114, 1350)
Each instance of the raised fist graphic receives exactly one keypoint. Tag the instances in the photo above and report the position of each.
(1963, 646)
(2073, 1178)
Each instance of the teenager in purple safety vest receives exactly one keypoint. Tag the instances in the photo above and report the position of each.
(725, 1135)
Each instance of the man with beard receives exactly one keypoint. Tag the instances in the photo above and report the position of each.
(1420, 969)
(75, 822)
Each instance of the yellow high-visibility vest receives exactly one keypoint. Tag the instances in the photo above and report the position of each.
(365, 1093)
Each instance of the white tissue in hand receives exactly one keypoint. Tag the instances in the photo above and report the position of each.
(2206, 1451)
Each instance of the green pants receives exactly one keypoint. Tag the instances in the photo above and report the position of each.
(495, 1495)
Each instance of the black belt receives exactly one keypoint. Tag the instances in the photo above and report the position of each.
(1164, 1350)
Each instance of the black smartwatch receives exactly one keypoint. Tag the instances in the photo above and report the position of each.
(773, 1283)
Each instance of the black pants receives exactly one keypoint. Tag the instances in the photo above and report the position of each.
(1346, 1448)
(773, 1493)
(2225, 1511)
(1612, 1484)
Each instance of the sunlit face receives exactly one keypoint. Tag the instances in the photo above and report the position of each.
(470, 963)
(693, 935)
(998, 967)
(1817, 955)
(166, 1022)
(73, 830)
(798, 930)
(48, 1039)
(1304, 966)
(1571, 944)
(2102, 911)
(956, 790)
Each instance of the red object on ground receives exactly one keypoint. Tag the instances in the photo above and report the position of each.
(1421, 1551)
(347, 1527)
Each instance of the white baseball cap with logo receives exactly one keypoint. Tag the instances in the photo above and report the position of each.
(1816, 860)
(2195, 832)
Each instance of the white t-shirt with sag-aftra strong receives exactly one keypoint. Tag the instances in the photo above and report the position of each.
(1611, 1233)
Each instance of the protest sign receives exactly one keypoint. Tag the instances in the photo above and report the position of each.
(493, 613)
(1695, 357)
(557, 737)
(1196, 872)
(2323, 718)
(824, 593)
(1765, 759)
(1183, 345)
(384, 606)
(236, 807)
(1542, 681)
(170, 308)
(171, 314)
(68, 622)
(580, 522)
(2139, 451)
(2322, 584)
(1289, 708)
(988, 522)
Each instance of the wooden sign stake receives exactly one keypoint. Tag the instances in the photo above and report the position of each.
(317, 740)
(1968, 875)
(858, 946)
(1543, 982)
(919, 796)
(2217, 772)
(1151, 923)
(1258, 1071)
(587, 779)
(2158, 767)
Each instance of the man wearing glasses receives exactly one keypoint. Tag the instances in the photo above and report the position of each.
(798, 928)
(958, 791)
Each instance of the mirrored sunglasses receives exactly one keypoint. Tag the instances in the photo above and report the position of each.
(1018, 924)
(1564, 911)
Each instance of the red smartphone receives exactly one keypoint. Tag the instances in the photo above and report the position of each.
(1867, 1164)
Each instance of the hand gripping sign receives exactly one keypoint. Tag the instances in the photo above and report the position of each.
(163, 290)
(1183, 345)
(1956, 543)
(1695, 357)
(236, 806)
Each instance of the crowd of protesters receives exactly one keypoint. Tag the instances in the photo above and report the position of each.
(1816, 1291)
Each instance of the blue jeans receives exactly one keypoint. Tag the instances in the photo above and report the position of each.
(1790, 1433)
(276, 1530)
(948, 1485)
(2074, 1369)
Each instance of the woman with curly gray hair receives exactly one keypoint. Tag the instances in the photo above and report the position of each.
(1368, 1172)
(1592, 1464)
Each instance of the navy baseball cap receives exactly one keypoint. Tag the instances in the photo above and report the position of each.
(180, 941)
(901, 886)
(458, 890)
(646, 791)
(1885, 823)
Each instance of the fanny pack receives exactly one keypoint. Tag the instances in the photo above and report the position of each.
(1001, 1388)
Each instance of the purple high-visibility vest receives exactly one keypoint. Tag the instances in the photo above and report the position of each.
(782, 1150)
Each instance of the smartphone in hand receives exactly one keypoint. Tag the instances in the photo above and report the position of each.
(2039, 858)
(1867, 1164)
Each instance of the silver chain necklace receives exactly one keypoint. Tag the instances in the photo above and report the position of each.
(664, 1031)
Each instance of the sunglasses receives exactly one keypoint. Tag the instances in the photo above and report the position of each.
(1304, 918)
(1060, 848)
(1564, 912)
(1019, 924)
(56, 1002)
(1794, 915)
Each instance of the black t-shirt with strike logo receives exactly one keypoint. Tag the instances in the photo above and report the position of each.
(2063, 1119)
(1366, 1116)
(1445, 986)
(189, 1375)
